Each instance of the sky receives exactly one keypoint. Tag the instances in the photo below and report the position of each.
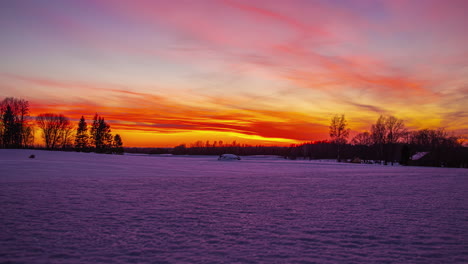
(271, 72)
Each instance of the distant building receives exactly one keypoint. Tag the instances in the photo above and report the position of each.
(418, 155)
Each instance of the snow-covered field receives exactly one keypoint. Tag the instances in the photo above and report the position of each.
(82, 208)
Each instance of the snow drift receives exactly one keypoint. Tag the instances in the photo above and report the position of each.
(228, 157)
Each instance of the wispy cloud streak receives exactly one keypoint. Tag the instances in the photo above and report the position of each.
(239, 66)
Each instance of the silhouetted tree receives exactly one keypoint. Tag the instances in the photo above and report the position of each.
(118, 145)
(101, 135)
(67, 137)
(395, 130)
(339, 132)
(28, 135)
(386, 132)
(442, 147)
(14, 132)
(378, 131)
(180, 150)
(56, 129)
(9, 128)
(82, 137)
(363, 138)
(421, 137)
(96, 133)
(362, 143)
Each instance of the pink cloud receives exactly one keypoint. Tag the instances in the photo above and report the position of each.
(259, 13)
(192, 21)
(393, 51)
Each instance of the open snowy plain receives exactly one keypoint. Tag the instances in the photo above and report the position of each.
(64, 207)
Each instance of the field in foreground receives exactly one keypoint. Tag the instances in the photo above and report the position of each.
(81, 208)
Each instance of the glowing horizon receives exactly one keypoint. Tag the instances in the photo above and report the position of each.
(163, 73)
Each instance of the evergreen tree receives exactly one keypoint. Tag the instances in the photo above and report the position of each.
(82, 137)
(8, 120)
(101, 135)
(14, 130)
(107, 139)
(118, 145)
(96, 137)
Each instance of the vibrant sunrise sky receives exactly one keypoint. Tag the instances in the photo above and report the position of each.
(259, 72)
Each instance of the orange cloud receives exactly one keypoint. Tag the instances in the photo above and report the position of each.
(136, 111)
(258, 69)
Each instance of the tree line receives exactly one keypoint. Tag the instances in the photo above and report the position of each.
(387, 142)
(219, 147)
(17, 130)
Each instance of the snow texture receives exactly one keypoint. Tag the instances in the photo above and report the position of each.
(63, 207)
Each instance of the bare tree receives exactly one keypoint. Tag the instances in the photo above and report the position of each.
(28, 135)
(379, 133)
(386, 132)
(420, 137)
(364, 139)
(13, 118)
(55, 129)
(67, 136)
(395, 131)
(339, 132)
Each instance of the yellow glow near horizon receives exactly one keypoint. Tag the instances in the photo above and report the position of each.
(152, 139)
(258, 72)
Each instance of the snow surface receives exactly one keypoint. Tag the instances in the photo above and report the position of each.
(64, 207)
